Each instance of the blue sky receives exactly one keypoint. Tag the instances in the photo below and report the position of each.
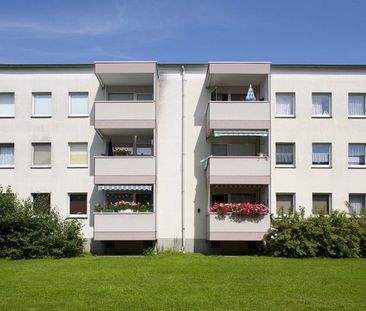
(281, 31)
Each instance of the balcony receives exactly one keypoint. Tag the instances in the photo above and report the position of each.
(124, 170)
(238, 115)
(238, 170)
(236, 229)
(124, 226)
(111, 115)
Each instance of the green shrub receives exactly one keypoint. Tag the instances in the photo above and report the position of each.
(336, 235)
(29, 230)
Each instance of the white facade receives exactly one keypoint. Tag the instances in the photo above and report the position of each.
(181, 124)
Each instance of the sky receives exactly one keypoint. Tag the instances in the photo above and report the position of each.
(186, 31)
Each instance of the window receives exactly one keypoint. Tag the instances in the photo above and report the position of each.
(79, 105)
(243, 198)
(219, 149)
(321, 154)
(357, 202)
(356, 154)
(6, 155)
(285, 105)
(42, 201)
(144, 198)
(237, 97)
(321, 105)
(219, 198)
(144, 150)
(7, 106)
(120, 96)
(356, 105)
(285, 154)
(78, 203)
(285, 203)
(145, 96)
(42, 106)
(78, 154)
(41, 154)
(321, 203)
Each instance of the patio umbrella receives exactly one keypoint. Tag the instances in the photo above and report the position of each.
(110, 148)
(250, 94)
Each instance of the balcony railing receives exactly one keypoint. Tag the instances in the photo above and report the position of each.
(124, 170)
(238, 170)
(124, 114)
(124, 226)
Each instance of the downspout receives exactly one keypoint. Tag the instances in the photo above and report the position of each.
(182, 167)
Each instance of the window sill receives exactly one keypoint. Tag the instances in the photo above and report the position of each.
(321, 166)
(7, 117)
(81, 216)
(321, 117)
(77, 166)
(7, 166)
(41, 166)
(42, 117)
(357, 117)
(285, 166)
(357, 166)
(285, 117)
(78, 116)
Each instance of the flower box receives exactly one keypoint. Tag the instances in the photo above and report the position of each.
(239, 209)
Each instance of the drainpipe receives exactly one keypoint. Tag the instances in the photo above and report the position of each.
(182, 167)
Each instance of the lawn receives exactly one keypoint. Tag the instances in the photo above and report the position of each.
(183, 282)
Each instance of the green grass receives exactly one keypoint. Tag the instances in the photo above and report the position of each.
(183, 282)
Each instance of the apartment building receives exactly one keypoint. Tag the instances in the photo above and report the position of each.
(139, 152)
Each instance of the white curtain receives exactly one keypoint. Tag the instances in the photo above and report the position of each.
(321, 105)
(356, 105)
(6, 155)
(284, 105)
(357, 202)
(321, 153)
(42, 104)
(284, 153)
(356, 154)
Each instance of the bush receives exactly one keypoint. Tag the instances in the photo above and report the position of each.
(337, 235)
(29, 230)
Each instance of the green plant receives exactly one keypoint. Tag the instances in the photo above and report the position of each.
(149, 251)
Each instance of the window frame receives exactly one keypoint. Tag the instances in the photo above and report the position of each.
(293, 165)
(83, 216)
(33, 105)
(69, 165)
(293, 194)
(329, 202)
(8, 116)
(329, 165)
(32, 157)
(289, 116)
(70, 101)
(12, 165)
(351, 166)
(317, 116)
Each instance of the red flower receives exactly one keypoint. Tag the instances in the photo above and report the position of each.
(239, 209)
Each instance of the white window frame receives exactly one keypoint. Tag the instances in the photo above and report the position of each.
(293, 165)
(82, 216)
(78, 115)
(318, 116)
(291, 116)
(330, 156)
(293, 194)
(356, 166)
(361, 116)
(33, 106)
(4, 116)
(69, 156)
(32, 156)
(8, 166)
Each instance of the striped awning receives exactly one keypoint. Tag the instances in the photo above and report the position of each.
(125, 187)
(220, 133)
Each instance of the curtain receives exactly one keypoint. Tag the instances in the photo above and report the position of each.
(42, 104)
(321, 153)
(285, 105)
(284, 203)
(7, 155)
(356, 105)
(284, 154)
(357, 202)
(320, 203)
(41, 154)
(7, 107)
(356, 154)
(79, 154)
(79, 104)
(321, 105)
